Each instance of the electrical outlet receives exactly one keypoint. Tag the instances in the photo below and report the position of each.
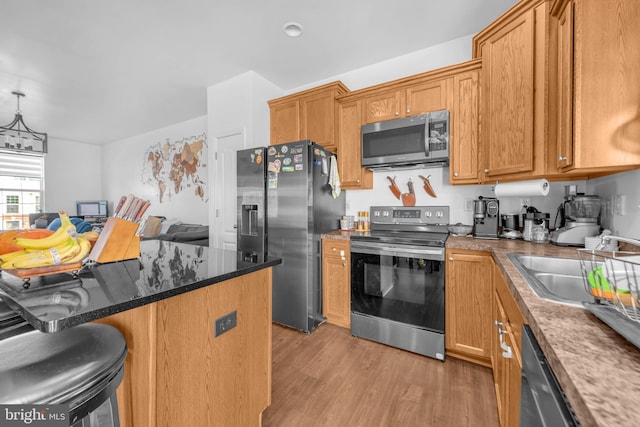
(225, 323)
(619, 206)
(525, 202)
(468, 205)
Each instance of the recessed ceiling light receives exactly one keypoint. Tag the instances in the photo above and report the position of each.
(292, 29)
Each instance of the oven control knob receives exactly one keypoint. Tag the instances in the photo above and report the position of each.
(376, 213)
(439, 214)
(385, 213)
(428, 214)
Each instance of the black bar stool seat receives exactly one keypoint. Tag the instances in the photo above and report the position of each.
(81, 366)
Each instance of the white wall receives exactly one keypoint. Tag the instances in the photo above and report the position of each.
(72, 171)
(240, 103)
(122, 165)
(236, 105)
(624, 222)
(442, 55)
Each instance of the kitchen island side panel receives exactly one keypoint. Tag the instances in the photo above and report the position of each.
(178, 373)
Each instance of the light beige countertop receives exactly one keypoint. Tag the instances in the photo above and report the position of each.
(598, 369)
(339, 235)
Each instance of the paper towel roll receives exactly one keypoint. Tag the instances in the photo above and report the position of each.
(534, 187)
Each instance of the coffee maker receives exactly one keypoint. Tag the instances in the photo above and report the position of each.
(579, 218)
(486, 216)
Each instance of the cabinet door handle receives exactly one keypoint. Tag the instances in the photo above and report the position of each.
(358, 181)
(455, 174)
(344, 264)
(562, 159)
(396, 113)
(486, 171)
(333, 249)
(408, 110)
(507, 353)
(450, 258)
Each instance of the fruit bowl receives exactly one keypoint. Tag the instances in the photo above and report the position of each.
(460, 229)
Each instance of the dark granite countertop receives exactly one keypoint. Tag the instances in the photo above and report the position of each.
(164, 269)
(597, 368)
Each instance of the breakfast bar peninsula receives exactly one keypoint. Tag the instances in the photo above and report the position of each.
(197, 322)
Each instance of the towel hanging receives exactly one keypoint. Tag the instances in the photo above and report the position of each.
(334, 178)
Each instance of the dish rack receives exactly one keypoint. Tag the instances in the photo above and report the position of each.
(613, 277)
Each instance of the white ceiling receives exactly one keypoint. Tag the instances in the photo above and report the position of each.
(98, 71)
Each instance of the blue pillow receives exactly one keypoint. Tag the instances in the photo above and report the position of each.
(81, 225)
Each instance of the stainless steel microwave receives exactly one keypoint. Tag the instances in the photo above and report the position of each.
(411, 142)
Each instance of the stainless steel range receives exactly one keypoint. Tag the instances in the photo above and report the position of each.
(398, 278)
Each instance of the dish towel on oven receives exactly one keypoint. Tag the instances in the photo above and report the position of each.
(334, 178)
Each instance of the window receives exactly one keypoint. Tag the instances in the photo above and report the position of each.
(21, 189)
(13, 204)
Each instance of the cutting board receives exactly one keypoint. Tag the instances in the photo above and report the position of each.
(27, 273)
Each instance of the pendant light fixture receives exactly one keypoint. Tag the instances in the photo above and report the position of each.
(17, 137)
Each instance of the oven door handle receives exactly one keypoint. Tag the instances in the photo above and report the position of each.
(433, 254)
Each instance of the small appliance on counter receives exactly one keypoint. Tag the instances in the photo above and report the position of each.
(511, 226)
(579, 218)
(486, 215)
(535, 222)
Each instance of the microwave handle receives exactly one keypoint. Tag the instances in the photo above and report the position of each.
(427, 126)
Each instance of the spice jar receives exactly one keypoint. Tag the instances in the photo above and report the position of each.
(365, 221)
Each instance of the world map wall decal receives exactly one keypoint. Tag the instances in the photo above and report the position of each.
(174, 167)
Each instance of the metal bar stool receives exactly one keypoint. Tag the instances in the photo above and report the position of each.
(80, 367)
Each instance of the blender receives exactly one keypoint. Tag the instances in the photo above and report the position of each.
(579, 218)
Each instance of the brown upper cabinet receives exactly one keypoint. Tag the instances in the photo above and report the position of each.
(350, 119)
(416, 99)
(310, 114)
(514, 92)
(465, 125)
(598, 59)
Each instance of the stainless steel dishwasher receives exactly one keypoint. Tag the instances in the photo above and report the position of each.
(542, 402)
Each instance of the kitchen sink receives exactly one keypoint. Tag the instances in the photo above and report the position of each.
(554, 279)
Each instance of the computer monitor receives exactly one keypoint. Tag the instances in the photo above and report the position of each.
(92, 208)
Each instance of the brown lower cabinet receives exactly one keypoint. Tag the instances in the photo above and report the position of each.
(336, 283)
(178, 373)
(467, 309)
(506, 345)
(484, 325)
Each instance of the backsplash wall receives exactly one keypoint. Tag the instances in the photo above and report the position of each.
(455, 196)
(624, 222)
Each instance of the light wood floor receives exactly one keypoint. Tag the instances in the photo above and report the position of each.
(329, 378)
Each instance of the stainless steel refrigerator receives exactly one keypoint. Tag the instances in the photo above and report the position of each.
(299, 208)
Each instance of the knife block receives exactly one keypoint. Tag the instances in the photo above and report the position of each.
(117, 242)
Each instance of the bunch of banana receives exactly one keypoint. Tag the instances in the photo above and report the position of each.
(62, 247)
